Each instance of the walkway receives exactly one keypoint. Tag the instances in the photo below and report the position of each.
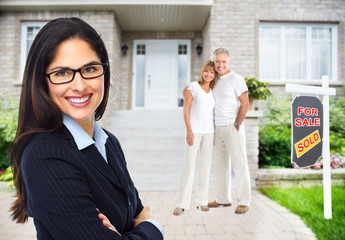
(265, 220)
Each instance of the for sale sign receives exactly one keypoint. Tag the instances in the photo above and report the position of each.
(307, 120)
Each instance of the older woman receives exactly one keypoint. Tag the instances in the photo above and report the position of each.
(198, 116)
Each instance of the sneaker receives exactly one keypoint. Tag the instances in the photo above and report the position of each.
(214, 204)
(178, 211)
(241, 209)
(203, 208)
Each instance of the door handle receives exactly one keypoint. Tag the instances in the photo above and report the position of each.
(149, 82)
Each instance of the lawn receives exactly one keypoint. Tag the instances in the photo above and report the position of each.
(308, 204)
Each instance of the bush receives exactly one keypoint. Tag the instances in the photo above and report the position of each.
(275, 134)
(336, 123)
(257, 89)
(8, 127)
(275, 147)
(7, 176)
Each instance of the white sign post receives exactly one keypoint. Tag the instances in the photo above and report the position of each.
(325, 91)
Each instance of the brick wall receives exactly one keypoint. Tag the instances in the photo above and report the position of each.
(9, 56)
(235, 25)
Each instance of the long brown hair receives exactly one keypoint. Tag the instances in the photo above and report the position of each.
(37, 111)
(209, 65)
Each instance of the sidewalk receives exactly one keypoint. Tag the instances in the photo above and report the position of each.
(265, 220)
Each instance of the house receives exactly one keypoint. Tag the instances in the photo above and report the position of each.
(157, 47)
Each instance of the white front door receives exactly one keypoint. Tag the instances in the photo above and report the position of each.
(161, 72)
(158, 76)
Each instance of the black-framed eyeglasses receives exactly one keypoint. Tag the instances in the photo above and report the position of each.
(66, 75)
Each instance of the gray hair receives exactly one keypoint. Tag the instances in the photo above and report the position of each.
(221, 51)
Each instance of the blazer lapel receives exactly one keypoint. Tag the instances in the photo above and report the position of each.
(116, 162)
(92, 155)
(96, 159)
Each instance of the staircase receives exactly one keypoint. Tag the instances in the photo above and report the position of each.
(153, 142)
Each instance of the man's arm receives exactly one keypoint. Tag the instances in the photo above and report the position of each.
(242, 111)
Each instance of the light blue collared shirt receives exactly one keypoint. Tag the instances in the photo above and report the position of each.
(83, 140)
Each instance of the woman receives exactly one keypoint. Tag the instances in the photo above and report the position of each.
(198, 118)
(65, 166)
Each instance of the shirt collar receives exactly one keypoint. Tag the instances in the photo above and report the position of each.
(81, 138)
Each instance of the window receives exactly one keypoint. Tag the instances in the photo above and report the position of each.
(295, 52)
(140, 60)
(141, 49)
(28, 34)
(182, 71)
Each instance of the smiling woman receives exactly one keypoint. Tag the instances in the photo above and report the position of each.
(78, 97)
(67, 169)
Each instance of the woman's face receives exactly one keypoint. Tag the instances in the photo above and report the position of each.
(80, 98)
(208, 74)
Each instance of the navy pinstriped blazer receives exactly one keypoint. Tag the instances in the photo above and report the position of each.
(65, 186)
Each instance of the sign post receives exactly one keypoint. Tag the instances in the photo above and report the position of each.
(325, 91)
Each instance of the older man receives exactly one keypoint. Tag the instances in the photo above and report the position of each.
(231, 95)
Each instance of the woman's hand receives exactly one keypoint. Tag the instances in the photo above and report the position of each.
(190, 137)
(143, 215)
(107, 223)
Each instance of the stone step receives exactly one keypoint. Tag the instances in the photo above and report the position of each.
(158, 154)
(122, 131)
(148, 118)
(152, 142)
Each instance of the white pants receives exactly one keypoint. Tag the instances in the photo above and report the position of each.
(230, 151)
(204, 142)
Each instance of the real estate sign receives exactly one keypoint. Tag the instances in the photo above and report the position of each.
(307, 130)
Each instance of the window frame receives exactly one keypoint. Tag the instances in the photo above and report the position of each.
(23, 44)
(308, 26)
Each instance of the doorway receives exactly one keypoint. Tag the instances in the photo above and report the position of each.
(161, 69)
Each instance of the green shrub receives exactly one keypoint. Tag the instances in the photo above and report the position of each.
(337, 144)
(337, 116)
(7, 176)
(337, 126)
(8, 127)
(275, 147)
(275, 134)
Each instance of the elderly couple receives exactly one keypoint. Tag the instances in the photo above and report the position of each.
(222, 102)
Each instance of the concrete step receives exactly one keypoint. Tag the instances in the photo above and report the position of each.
(148, 118)
(121, 131)
(153, 142)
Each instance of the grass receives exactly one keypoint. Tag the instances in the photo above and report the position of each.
(308, 204)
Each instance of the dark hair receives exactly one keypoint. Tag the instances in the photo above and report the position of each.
(37, 111)
(209, 65)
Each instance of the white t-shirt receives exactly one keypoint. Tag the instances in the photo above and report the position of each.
(226, 93)
(201, 111)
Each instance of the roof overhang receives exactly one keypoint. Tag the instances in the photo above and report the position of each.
(139, 15)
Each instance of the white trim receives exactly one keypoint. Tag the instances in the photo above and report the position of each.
(104, 2)
(23, 46)
(335, 54)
